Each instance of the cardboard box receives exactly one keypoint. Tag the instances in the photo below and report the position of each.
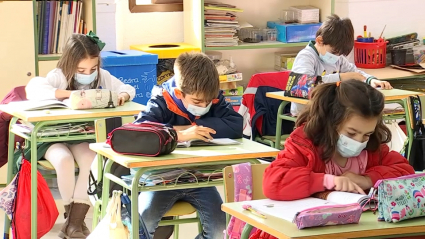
(284, 61)
(228, 85)
(231, 77)
(232, 92)
(306, 14)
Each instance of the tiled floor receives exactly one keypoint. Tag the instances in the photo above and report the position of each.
(187, 231)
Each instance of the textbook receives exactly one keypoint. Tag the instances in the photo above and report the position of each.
(346, 198)
(40, 104)
(213, 142)
(288, 210)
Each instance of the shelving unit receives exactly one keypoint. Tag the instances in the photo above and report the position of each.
(255, 56)
(19, 58)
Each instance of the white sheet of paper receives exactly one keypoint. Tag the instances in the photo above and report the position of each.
(224, 141)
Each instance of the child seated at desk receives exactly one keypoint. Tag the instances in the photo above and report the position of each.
(78, 68)
(192, 102)
(325, 57)
(339, 144)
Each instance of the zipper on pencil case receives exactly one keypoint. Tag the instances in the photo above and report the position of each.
(325, 207)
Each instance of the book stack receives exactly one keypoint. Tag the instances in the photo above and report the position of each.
(220, 24)
(231, 91)
(57, 21)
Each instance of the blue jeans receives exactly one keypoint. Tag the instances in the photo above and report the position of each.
(207, 201)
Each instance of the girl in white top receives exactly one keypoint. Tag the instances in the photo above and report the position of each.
(78, 68)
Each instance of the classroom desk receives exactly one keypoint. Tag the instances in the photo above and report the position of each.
(368, 227)
(391, 96)
(247, 151)
(44, 118)
(389, 73)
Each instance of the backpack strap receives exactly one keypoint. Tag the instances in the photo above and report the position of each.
(242, 176)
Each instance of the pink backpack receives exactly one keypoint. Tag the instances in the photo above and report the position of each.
(243, 192)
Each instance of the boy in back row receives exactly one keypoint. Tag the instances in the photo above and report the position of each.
(192, 103)
(324, 57)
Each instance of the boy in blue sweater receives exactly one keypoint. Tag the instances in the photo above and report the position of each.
(325, 57)
(192, 102)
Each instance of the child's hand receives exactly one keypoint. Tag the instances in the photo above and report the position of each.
(196, 132)
(122, 98)
(345, 184)
(351, 76)
(363, 181)
(383, 84)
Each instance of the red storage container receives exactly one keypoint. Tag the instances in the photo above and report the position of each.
(370, 55)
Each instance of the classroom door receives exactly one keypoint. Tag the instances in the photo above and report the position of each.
(17, 61)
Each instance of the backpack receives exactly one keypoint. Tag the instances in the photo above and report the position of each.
(417, 153)
(242, 176)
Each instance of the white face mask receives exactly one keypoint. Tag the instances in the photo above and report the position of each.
(85, 79)
(348, 147)
(329, 58)
(198, 111)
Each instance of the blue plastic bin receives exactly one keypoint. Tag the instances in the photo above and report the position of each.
(295, 32)
(135, 68)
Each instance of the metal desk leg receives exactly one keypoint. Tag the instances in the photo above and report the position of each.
(10, 164)
(34, 132)
(279, 123)
(105, 187)
(135, 202)
(246, 231)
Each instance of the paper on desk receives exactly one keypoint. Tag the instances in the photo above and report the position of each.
(286, 209)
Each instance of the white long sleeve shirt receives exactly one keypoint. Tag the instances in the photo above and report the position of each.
(308, 62)
(44, 88)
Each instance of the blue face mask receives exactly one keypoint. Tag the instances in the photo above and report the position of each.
(198, 111)
(348, 147)
(85, 79)
(329, 58)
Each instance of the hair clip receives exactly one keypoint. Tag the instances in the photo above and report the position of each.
(92, 36)
(338, 83)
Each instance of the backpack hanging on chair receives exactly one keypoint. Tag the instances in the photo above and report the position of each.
(417, 153)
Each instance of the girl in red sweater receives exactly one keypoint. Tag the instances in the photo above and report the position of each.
(339, 144)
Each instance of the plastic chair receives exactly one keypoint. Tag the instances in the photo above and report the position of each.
(179, 208)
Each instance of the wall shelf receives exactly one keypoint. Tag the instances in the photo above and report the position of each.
(260, 45)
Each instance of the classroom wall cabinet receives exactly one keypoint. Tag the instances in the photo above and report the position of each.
(16, 47)
(19, 58)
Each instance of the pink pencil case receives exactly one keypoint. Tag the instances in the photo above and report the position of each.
(328, 215)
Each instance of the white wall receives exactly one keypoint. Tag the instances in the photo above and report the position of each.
(146, 28)
(400, 16)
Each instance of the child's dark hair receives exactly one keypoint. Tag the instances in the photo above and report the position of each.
(77, 48)
(198, 75)
(331, 105)
(337, 33)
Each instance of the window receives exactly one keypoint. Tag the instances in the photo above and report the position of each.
(155, 5)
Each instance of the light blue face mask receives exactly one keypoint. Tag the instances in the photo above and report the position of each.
(85, 79)
(329, 58)
(197, 110)
(348, 147)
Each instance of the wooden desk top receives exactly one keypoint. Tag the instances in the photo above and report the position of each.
(389, 73)
(248, 149)
(129, 108)
(367, 227)
(393, 94)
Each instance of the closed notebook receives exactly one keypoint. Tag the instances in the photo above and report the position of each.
(213, 142)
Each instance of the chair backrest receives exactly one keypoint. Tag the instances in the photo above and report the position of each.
(257, 182)
(104, 126)
(259, 111)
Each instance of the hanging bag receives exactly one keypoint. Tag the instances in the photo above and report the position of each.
(417, 154)
(111, 226)
(47, 213)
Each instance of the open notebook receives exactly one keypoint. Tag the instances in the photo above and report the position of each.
(213, 142)
(40, 104)
(287, 210)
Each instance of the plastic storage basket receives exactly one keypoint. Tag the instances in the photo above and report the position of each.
(370, 55)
